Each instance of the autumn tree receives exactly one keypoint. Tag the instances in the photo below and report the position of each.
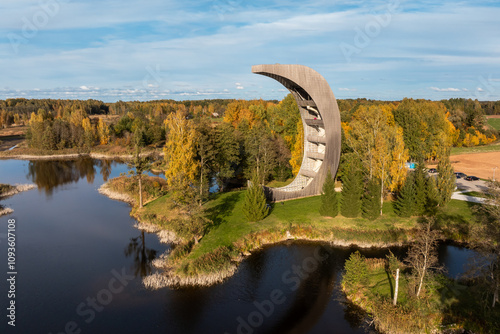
(298, 149)
(329, 200)
(103, 132)
(425, 127)
(373, 136)
(422, 254)
(228, 154)
(446, 178)
(88, 133)
(180, 154)
(260, 153)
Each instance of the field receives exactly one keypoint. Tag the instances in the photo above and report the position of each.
(478, 164)
(11, 136)
(494, 121)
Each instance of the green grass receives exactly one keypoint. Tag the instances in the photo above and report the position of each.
(494, 147)
(230, 224)
(475, 194)
(454, 304)
(494, 122)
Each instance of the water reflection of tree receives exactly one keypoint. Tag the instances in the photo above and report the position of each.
(48, 175)
(105, 168)
(141, 254)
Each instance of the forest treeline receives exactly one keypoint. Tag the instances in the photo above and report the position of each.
(228, 140)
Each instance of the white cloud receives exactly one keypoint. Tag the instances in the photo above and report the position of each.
(445, 89)
(479, 89)
(240, 87)
(347, 89)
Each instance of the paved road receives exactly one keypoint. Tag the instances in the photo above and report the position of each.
(459, 196)
(478, 186)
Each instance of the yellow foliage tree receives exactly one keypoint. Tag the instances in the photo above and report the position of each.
(180, 153)
(103, 132)
(88, 132)
(298, 149)
(378, 142)
(397, 168)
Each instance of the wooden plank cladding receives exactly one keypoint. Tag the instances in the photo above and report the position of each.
(316, 100)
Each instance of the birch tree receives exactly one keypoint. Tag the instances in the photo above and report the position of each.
(180, 154)
(422, 255)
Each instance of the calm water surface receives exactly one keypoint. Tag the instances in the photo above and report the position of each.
(80, 262)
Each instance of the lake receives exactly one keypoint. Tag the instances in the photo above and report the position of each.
(79, 262)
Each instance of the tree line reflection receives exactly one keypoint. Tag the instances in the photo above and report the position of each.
(48, 175)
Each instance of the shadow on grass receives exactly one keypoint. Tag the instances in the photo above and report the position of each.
(219, 213)
(454, 226)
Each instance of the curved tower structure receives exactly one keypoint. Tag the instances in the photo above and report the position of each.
(322, 135)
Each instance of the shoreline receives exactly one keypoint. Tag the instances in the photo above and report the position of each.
(168, 278)
(19, 188)
(174, 274)
(91, 155)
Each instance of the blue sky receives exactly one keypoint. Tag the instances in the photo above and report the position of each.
(171, 49)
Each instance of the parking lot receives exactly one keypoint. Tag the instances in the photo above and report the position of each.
(479, 185)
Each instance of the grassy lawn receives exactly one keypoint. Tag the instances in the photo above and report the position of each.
(230, 224)
(475, 194)
(494, 147)
(494, 122)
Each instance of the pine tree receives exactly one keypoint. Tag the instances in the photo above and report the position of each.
(371, 200)
(446, 178)
(255, 206)
(420, 178)
(329, 200)
(352, 188)
(432, 198)
(404, 205)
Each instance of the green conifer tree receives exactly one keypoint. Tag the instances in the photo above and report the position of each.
(371, 200)
(329, 201)
(446, 178)
(420, 188)
(404, 205)
(352, 189)
(255, 206)
(432, 198)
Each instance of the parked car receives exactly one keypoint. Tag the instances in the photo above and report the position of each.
(432, 170)
(472, 178)
(460, 175)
